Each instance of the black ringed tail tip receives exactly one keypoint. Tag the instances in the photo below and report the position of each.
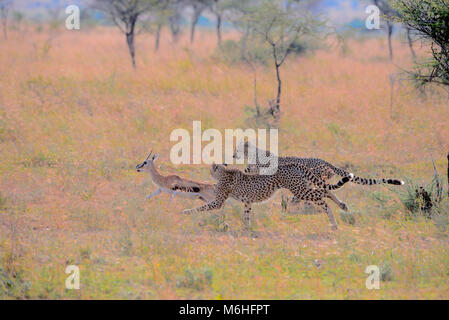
(348, 178)
(395, 182)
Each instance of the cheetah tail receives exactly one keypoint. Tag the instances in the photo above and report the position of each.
(340, 183)
(367, 181)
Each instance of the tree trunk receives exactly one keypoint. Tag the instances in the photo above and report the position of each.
(255, 94)
(4, 24)
(130, 42)
(390, 31)
(243, 45)
(158, 36)
(196, 16)
(410, 44)
(218, 28)
(130, 39)
(278, 77)
(174, 27)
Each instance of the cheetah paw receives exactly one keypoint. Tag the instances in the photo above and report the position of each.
(343, 206)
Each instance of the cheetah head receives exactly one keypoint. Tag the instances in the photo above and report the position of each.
(241, 150)
(216, 170)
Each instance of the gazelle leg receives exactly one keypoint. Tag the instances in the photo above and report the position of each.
(172, 195)
(155, 193)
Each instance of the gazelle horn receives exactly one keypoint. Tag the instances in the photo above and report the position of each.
(149, 155)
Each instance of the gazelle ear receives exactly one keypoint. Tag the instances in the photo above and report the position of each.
(155, 156)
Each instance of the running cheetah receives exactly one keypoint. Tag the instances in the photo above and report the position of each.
(319, 167)
(251, 188)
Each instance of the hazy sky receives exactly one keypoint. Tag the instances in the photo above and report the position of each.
(338, 11)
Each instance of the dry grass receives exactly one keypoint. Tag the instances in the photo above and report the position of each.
(75, 120)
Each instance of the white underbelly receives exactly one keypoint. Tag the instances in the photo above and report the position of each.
(182, 194)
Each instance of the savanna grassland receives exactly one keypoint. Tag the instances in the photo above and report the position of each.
(75, 119)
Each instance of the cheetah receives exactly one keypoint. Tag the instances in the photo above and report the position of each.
(252, 188)
(319, 167)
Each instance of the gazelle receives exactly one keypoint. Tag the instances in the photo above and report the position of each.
(175, 185)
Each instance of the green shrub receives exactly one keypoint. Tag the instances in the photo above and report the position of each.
(422, 200)
(3, 201)
(386, 272)
(217, 220)
(347, 217)
(233, 52)
(12, 285)
(195, 279)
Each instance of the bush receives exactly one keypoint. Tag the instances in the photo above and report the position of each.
(195, 279)
(347, 217)
(440, 216)
(421, 200)
(12, 285)
(232, 52)
(386, 272)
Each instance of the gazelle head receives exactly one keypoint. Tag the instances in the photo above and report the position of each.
(148, 161)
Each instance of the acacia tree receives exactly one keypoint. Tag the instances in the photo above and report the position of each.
(219, 8)
(429, 19)
(159, 17)
(5, 6)
(125, 14)
(198, 6)
(280, 24)
(175, 17)
(390, 13)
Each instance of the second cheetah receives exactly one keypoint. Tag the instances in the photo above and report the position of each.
(320, 168)
(252, 188)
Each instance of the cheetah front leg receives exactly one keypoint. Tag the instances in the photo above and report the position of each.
(247, 216)
(221, 194)
(215, 204)
(247, 221)
(316, 196)
(330, 214)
